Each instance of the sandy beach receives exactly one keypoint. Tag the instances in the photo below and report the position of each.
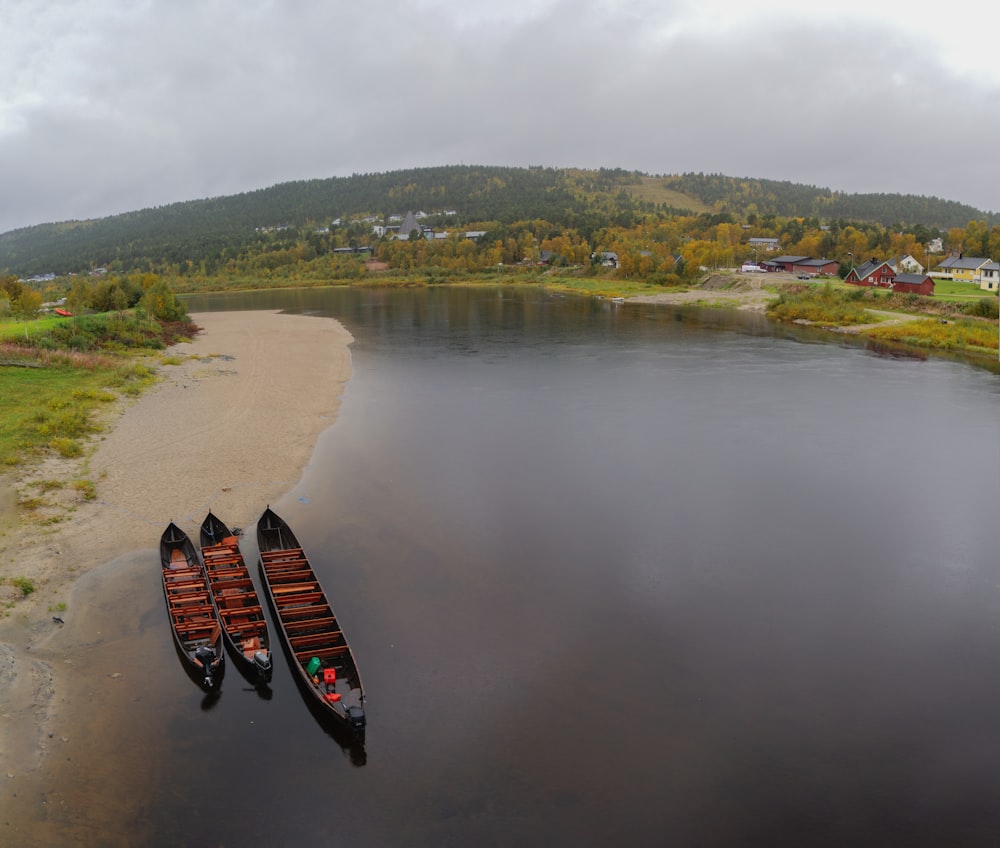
(230, 427)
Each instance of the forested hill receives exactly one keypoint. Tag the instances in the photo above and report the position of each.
(207, 232)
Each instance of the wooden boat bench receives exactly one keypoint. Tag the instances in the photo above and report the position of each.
(323, 653)
(291, 577)
(284, 553)
(238, 613)
(292, 614)
(224, 573)
(294, 604)
(188, 598)
(291, 588)
(294, 628)
(235, 588)
(277, 569)
(245, 629)
(186, 584)
(319, 640)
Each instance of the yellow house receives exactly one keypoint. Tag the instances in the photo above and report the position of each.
(965, 269)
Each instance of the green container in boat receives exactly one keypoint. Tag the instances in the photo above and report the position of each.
(313, 667)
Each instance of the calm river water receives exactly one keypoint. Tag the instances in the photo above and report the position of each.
(614, 575)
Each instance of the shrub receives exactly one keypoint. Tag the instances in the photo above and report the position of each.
(820, 306)
(984, 307)
(66, 447)
(25, 584)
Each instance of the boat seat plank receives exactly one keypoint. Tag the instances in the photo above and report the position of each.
(291, 565)
(234, 590)
(240, 612)
(288, 562)
(325, 640)
(285, 589)
(296, 603)
(281, 553)
(295, 613)
(257, 625)
(185, 579)
(218, 573)
(185, 598)
(237, 604)
(299, 578)
(184, 589)
(196, 616)
(323, 653)
(284, 565)
(296, 628)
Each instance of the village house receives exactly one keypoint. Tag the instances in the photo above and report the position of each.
(906, 264)
(879, 274)
(874, 273)
(801, 265)
(913, 284)
(990, 276)
(964, 269)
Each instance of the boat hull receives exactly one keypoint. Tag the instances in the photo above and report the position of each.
(194, 621)
(237, 603)
(310, 632)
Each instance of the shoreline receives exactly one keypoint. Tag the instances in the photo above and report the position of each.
(231, 427)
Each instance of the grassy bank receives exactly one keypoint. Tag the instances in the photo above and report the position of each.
(58, 374)
(966, 325)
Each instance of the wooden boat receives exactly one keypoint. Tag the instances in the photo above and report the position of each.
(244, 627)
(322, 659)
(193, 618)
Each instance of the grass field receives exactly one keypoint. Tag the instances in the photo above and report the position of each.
(13, 329)
(952, 290)
(50, 399)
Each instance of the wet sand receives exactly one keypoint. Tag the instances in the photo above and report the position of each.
(230, 428)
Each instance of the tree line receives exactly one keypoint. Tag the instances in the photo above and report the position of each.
(304, 221)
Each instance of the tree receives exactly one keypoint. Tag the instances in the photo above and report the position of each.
(79, 295)
(28, 303)
(161, 302)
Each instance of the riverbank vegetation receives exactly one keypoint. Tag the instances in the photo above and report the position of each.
(60, 372)
(956, 325)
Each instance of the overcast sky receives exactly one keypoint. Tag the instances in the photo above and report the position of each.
(108, 106)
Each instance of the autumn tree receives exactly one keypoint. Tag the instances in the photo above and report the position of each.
(161, 302)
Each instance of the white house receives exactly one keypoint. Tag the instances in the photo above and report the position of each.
(989, 276)
(906, 265)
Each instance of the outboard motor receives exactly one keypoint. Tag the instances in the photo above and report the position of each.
(356, 717)
(206, 656)
(262, 662)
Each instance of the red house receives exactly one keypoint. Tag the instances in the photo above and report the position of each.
(874, 273)
(881, 275)
(916, 283)
(801, 265)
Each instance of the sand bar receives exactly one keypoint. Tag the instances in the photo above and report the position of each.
(230, 428)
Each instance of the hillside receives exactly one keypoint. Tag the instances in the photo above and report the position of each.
(206, 233)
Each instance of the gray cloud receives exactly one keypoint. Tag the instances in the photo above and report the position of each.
(112, 107)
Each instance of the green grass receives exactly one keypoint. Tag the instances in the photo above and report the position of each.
(952, 290)
(25, 584)
(14, 330)
(54, 408)
(963, 334)
(826, 305)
